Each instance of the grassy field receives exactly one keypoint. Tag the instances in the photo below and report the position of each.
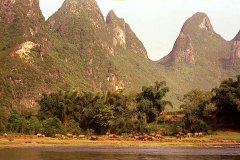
(218, 139)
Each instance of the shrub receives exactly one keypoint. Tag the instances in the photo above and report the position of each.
(73, 127)
(53, 126)
(170, 129)
(152, 127)
(89, 132)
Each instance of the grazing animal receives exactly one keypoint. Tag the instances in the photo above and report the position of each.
(69, 135)
(40, 135)
(112, 136)
(178, 136)
(150, 138)
(93, 138)
(196, 134)
(181, 134)
(74, 136)
(136, 137)
(141, 138)
(152, 134)
(158, 136)
(5, 135)
(200, 134)
(58, 136)
(81, 136)
(131, 135)
(189, 135)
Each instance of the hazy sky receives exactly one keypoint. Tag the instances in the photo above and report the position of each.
(158, 22)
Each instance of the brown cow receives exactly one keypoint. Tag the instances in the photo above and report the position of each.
(69, 135)
(178, 136)
(141, 138)
(150, 138)
(5, 135)
(81, 136)
(153, 134)
(200, 134)
(158, 136)
(58, 136)
(196, 134)
(74, 136)
(93, 138)
(39, 135)
(112, 136)
(189, 135)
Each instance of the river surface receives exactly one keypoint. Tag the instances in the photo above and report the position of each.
(108, 153)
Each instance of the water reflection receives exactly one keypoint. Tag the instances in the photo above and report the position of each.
(78, 153)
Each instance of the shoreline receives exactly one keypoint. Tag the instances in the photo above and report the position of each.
(122, 143)
(220, 139)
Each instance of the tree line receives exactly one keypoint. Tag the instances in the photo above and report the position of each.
(87, 112)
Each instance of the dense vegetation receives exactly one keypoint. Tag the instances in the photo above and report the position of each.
(88, 112)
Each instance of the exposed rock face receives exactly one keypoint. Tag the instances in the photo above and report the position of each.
(200, 57)
(72, 14)
(235, 52)
(20, 9)
(205, 24)
(115, 83)
(22, 21)
(134, 44)
(233, 60)
(24, 51)
(199, 21)
(118, 29)
(124, 36)
(6, 10)
(23, 43)
(237, 37)
(182, 52)
(33, 8)
(81, 23)
(196, 35)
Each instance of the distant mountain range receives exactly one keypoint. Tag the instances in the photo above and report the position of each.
(77, 48)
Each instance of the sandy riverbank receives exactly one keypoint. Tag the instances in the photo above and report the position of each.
(220, 139)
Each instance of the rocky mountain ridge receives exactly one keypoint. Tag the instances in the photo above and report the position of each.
(77, 48)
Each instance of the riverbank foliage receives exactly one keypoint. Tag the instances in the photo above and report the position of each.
(97, 113)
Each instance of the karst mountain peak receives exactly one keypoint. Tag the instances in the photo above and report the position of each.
(77, 48)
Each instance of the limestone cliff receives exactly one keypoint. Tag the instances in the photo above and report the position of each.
(124, 36)
(233, 60)
(235, 51)
(196, 36)
(23, 21)
(98, 42)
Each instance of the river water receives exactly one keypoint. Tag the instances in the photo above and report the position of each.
(107, 153)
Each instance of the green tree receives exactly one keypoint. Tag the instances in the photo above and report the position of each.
(35, 126)
(73, 127)
(53, 126)
(150, 102)
(227, 99)
(63, 105)
(17, 123)
(3, 120)
(99, 116)
(195, 106)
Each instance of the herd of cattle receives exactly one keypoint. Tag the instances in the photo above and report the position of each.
(189, 135)
(140, 137)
